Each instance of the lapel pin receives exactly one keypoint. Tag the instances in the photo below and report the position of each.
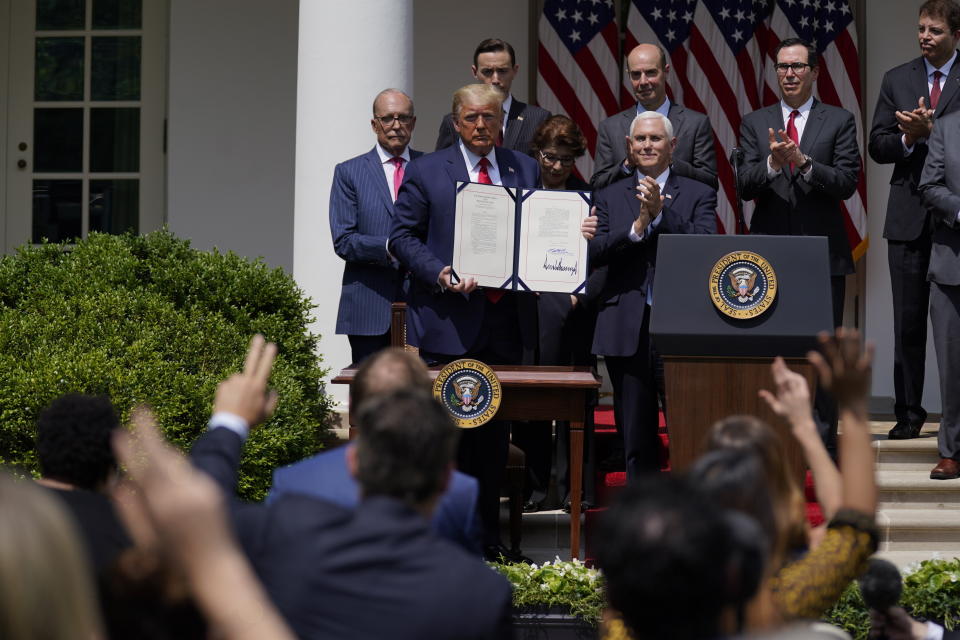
(519, 117)
(510, 169)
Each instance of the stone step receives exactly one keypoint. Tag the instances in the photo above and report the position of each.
(909, 559)
(919, 454)
(915, 490)
(919, 530)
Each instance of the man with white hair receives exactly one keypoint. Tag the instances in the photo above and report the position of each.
(631, 213)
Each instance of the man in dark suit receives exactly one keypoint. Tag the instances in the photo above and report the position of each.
(801, 160)
(374, 572)
(940, 190)
(326, 475)
(495, 63)
(631, 214)
(361, 208)
(912, 95)
(694, 156)
(450, 318)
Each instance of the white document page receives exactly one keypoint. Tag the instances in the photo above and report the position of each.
(553, 253)
(484, 234)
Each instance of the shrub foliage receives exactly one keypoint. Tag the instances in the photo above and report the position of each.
(148, 319)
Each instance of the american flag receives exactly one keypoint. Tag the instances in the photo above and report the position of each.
(578, 66)
(721, 58)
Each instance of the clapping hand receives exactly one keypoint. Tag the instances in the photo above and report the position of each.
(917, 123)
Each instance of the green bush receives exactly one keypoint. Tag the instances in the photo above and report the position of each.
(148, 319)
(931, 591)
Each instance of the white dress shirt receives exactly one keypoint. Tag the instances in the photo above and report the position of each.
(389, 168)
(945, 70)
(472, 162)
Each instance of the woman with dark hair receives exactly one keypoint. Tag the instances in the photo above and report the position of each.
(565, 322)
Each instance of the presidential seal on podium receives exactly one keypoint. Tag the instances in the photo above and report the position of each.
(470, 391)
(742, 285)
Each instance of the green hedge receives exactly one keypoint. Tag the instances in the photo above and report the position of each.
(931, 591)
(148, 319)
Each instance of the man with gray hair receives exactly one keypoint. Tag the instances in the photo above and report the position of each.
(361, 201)
(632, 212)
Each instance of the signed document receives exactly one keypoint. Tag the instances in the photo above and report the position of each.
(553, 253)
(520, 239)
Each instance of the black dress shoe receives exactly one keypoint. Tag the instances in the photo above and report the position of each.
(904, 431)
(584, 506)
(499, 553)
(531, 507)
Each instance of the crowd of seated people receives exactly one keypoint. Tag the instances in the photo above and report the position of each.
(168, 551)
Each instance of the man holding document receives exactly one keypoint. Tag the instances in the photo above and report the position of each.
(632, 213)
(449, 316)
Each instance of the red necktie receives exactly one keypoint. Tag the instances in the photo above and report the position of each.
(792, 130)
(397, 175)
(935, 91)
(483, 177)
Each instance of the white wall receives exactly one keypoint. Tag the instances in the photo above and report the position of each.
(231, 132)
(891, 40)
(445, 35)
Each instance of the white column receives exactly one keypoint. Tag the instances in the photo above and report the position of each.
(348, 52)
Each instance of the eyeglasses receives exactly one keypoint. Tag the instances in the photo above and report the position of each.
(798, 67)
(387, 121)
(565, 161)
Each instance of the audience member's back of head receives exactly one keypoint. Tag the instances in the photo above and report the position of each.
(674, 562)
(405, 446)
(46, 585)
(388, 370)
(73, 440)
(747, 433)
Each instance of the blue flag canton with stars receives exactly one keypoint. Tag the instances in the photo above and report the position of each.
(737, 20)
(817, 21)
(577, 22)
(670, 19)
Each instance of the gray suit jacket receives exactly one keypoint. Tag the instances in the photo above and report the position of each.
(789, 204)
(694, 156)
(522, 122)
(940, 189)
(902, 86)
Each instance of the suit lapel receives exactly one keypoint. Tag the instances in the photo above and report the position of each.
(379, 178)
(456, 167)
(508, 171)
(671, 191)
(949, 89)
(676, 117)
(514, 123)
(811, 131)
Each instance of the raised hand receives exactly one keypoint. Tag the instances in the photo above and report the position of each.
(245, 394)
(792, 399)
(844, 367)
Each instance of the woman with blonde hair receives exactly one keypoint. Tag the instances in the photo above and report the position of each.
(46, 583)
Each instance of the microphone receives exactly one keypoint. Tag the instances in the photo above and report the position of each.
(881, 585)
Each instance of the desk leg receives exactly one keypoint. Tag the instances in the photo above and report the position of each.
(576, 484)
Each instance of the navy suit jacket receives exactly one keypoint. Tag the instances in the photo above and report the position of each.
(691, 208)
(902, 86)
(361, 209)
(422, 239)
(522, 122)
(373, 572)
(789, 204)
(326, 476)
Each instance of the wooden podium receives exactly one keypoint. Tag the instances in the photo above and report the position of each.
(543, 393)
(714, 365)
(529, 393)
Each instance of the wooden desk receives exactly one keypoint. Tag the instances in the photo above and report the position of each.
(543, 393)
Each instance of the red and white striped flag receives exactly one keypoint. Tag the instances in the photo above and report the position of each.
(578, 66)
(721, 58)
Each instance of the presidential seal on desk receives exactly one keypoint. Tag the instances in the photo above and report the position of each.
(742, 285)
(470, 391)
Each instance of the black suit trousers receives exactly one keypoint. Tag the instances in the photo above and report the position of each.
(911, 299)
